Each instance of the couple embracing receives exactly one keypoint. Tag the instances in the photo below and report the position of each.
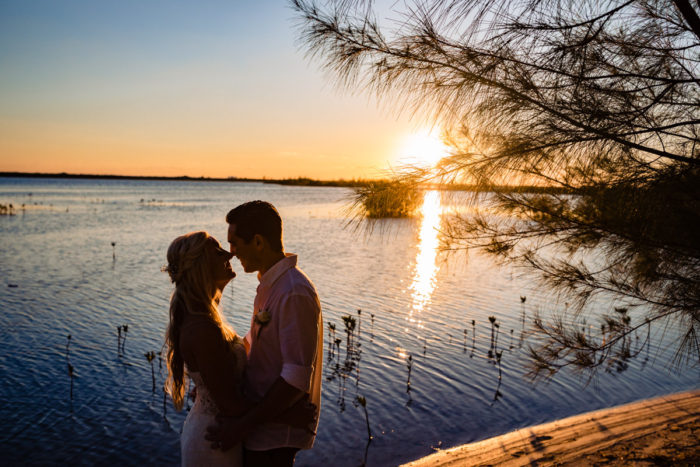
(257, 398)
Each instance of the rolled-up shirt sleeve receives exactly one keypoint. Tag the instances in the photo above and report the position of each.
(298, 333)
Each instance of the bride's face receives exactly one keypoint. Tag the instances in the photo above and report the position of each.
(218, 261)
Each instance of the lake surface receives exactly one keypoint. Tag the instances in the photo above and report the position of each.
(60, 276)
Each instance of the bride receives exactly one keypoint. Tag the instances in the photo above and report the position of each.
(202, 346)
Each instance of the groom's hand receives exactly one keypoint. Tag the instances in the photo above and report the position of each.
(302, 414)
(227, 432)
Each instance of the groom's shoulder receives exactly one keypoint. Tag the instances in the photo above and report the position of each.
(295, 281)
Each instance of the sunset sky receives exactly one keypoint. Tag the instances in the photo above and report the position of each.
(211, 88)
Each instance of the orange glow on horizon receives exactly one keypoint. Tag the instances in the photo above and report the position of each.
(57, 148)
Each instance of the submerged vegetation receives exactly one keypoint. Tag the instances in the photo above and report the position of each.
(7, 210)
(71, 369)
(386, 199)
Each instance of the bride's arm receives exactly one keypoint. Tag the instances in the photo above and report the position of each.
(205, 351)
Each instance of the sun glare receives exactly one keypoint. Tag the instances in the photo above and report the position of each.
(424, 279)
(424, 148)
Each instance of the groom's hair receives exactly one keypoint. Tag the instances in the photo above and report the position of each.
(257, 217)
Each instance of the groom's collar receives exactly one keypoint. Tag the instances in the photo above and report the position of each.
(275, 272)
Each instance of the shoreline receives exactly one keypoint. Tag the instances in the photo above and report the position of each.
(659, 431)
(298, 181)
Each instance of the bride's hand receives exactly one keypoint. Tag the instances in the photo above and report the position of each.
(303, 414)
(227, 432)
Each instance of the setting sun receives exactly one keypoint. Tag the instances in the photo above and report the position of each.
(424, 148)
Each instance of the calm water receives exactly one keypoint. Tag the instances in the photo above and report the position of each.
(61, 275)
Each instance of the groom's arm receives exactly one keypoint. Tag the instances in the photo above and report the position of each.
(232, 430)
(298, 333)
(279, 398)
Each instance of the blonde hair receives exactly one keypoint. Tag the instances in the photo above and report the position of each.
(195, 293)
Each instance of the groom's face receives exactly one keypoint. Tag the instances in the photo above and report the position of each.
(245, 252)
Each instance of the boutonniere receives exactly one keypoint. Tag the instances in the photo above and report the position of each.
(262, 317)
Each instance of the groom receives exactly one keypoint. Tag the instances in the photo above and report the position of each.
(284, 342)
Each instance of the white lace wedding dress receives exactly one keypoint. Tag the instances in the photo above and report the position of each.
(194, 449)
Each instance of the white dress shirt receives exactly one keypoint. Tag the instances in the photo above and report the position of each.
(289, 345)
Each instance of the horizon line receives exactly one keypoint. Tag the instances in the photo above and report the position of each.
(179, 177)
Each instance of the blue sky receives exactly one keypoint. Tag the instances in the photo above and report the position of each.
(171, 88)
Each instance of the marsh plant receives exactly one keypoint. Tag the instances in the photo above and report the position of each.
(331, 341)
(352, 351)
(409, 368)
(522, 319)
(498, 361)
(121, 339)
(70, 375)
(497, 394)
(351, 365)
(382, 199)
(150, 356)
(337, 343)
(350, 324)
(7, 210)
(70, 366)
(498, 330)
(360, 400)
(492, 320)
(510, 345)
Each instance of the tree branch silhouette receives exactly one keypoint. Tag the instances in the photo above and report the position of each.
(575, 126)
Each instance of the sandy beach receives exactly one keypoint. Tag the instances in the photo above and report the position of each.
(659, 431)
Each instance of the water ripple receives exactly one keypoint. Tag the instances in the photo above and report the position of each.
(69, 280)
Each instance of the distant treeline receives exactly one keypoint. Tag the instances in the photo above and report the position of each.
(123, 177)
(354, 183)
(304, 181)
(299, 181)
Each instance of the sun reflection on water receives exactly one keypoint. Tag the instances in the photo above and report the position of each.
(424, 278)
